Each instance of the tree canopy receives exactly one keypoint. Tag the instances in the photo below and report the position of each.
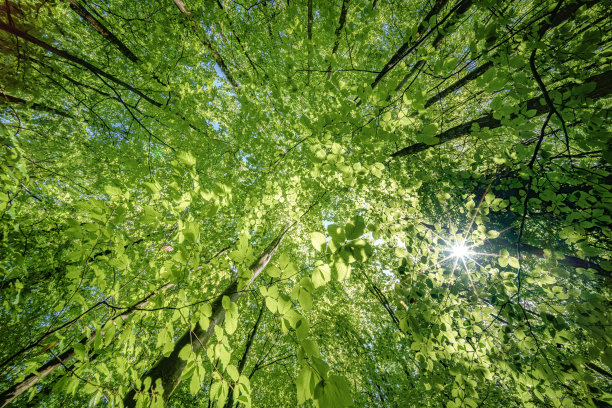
(307, 203)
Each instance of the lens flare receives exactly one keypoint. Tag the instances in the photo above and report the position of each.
(460, 251)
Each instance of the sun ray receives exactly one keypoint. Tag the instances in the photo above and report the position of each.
(484, 254)
(437, 236)
(470, 278)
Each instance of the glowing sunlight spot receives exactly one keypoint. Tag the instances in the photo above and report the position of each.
(460, 251)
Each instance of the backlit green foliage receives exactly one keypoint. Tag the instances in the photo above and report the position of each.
(305, 203)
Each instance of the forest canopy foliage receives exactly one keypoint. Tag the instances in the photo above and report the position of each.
(315, 203)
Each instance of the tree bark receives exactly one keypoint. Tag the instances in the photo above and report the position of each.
(406, 47)
(338, 32)
(209, 45)
(416, 67)
(603, 87)
(79, 61)
(169, 369)
(245, 355)
(60, 360)
(36, 106)
(309, 35)
(563, 15)
(101, 29)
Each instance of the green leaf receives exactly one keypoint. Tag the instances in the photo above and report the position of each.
(429, 129)
(206, 309)
(310, 348)
(302, 329)
(112, 190)
(273, 271)
(224, 355)
(186, 158)
(284, 304)
(185, 352)
(305, 300)
(233, 372)
(204, 321)
(361, 250)
(283, 260)
(244, 399)
(377, 169)
(321, 275)
(307, 284)
(336, 232)
(109, 333)
(231, 322)
(320, 366)
(226, 302)
(219, 333)
(304, 387)
(272, 304)
(80, 350)
(318, 241)
(215, 390)
(342, 269)
(333, 392)
(355, 228)
(195, 384)
(492, 234)
(513, 262)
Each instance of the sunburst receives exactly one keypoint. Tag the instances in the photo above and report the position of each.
(458, 249)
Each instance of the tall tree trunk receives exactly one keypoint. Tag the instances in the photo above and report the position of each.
(60, 360)
(245, 355)
(37, 106)
(338, 33)
(101, 29)
(563, 15)
(209, 45)
(408, 45)
(170, 369)
(603, 87)
(309, 34)
(79, 61)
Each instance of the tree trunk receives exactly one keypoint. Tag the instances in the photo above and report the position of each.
(603, 87)
(406, 47)
(338, 33)
(58, 361)
(245, 355)
(101, 29)
(66, 55)
(46, 369)
(36, 106)
(169, 369)
(209, 45)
